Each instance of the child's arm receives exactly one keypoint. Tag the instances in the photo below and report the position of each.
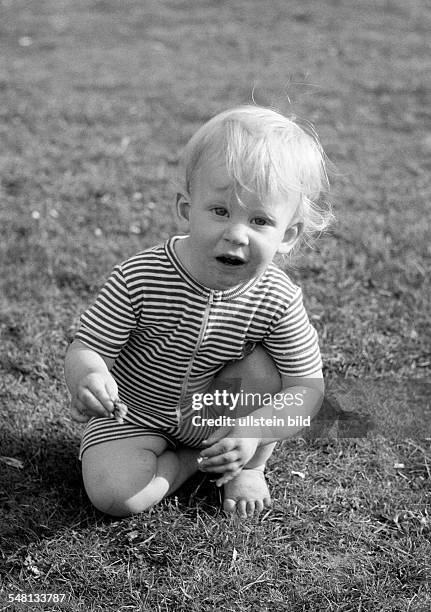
(229, 451)
(91, 386)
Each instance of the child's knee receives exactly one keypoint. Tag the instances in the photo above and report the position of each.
(111, 497)
(116, 494)
(257, 372)
(263, 369)
(115, 501)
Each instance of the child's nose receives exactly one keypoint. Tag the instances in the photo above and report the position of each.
(236, 233)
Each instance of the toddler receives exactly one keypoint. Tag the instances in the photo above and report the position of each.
(207, 315)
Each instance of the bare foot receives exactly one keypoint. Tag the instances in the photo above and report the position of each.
(247, 493)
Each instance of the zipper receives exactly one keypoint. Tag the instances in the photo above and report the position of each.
(192, 358)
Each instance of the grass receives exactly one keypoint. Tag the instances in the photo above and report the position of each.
(96, 100)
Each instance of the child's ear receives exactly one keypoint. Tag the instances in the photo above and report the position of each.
(290, 238)
(183, 207)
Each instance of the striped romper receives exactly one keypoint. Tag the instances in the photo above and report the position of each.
(170, 336)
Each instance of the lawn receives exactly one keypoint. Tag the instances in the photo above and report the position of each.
(96, 100)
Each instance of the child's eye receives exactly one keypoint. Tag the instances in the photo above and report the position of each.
(220, 211)
(260, 221)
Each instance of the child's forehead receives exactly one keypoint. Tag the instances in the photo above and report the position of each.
(214, 172)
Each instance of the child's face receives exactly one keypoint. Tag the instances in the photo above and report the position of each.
(230, 243)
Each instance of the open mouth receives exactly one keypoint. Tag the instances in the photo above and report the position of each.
(230, 260)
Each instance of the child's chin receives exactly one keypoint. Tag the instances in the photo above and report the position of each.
(232, 279)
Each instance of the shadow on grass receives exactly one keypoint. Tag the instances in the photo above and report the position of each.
(42, 493)
(361, 408)
(199, 493)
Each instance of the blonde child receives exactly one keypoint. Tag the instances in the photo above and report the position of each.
(201, 314)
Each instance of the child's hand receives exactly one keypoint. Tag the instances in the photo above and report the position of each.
(94, 397)
(226, 454)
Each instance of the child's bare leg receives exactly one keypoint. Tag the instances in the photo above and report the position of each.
(248, 492)
(127, 476)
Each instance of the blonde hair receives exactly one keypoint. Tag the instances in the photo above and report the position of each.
(266, 154)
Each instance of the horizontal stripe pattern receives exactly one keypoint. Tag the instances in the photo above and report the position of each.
(102, 429)
(170, 336)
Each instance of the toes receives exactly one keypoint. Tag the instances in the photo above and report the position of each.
(241, 508)
(250, 508)
(229, 506)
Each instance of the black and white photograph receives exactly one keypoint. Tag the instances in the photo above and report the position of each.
(215, 347)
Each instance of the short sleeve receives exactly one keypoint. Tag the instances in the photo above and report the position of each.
(292, 341)
(106, 325)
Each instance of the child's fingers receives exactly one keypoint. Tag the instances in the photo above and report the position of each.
(93, 392)
(216, 436)
(112, 393)
(219, 448)
(226, 465)
(226, 478)
(223, 480)
(77, 412)
(96, 402)
(220, 467)
(120, 411)
(219, 460)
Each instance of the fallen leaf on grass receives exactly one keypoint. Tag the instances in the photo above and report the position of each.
(29, 564)
(234, 558)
